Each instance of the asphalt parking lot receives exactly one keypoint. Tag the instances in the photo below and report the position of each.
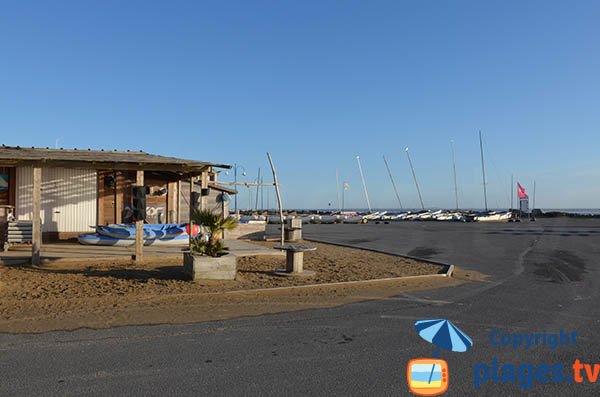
(544, 277)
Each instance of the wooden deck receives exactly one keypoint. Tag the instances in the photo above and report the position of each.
(75, 252)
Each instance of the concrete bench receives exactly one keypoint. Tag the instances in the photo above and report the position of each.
(295, 260)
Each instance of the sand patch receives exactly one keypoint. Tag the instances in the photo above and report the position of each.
(105, 294)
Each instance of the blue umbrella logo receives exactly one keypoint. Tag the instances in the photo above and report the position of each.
(443, 334)
(429, 376)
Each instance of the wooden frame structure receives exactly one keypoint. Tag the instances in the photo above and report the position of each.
(140, 162)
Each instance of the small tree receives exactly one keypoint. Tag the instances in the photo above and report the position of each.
(210, 242)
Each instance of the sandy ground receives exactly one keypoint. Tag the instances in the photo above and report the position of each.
(98, 295)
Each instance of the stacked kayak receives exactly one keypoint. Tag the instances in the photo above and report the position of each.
(123, 235)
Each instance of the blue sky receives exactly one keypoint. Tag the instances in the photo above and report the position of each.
(317, 83)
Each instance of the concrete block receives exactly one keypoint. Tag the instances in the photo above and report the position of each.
(199, 267)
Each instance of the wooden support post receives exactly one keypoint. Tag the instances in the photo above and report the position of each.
(171, 199)
(192, 209)
(179, 201)
(36, 236)
(204, 185)
(139, 226)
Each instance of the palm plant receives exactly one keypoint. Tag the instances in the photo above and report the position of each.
(210, 242)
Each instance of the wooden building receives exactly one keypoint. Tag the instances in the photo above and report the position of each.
(69, 192)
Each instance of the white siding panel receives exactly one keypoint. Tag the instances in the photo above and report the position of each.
(68, 198)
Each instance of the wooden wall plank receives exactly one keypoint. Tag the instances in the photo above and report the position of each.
(100, 199)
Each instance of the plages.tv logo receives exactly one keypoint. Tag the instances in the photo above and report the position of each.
(430, 376)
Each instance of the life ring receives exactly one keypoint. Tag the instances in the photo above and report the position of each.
(151, 211)
(196, 230)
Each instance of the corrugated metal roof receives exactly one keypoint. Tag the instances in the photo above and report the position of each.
(14, 155)
(222, 188)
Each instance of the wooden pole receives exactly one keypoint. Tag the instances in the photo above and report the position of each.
(139, 226)
(204, 185)
(276, 183)
(171, 202)
(192, 209)
(36, 236)
(179, 201)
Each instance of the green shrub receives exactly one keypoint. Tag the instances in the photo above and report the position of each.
(210, 243)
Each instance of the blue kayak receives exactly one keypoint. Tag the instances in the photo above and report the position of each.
(127, 232)
(98, 239)
(124, 235)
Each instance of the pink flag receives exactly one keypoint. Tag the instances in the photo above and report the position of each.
(521, 191)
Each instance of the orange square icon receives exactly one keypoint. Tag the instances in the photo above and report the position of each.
(427, 376)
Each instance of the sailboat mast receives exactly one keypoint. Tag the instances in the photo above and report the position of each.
(533, 197)
(483, 170)
(257, 190)
(362, 177)
(415, 178)
(512, 194)
(262, 195)
(454, 171)
(392, 179)
(337, 189)
(343, 194)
